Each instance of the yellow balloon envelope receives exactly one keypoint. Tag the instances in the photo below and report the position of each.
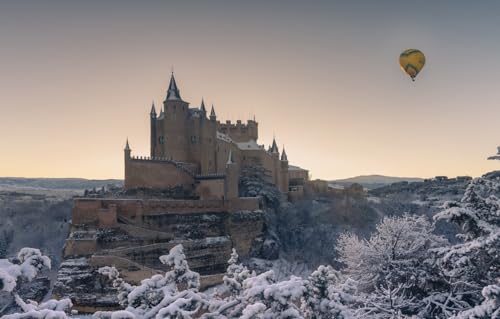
(412, 61)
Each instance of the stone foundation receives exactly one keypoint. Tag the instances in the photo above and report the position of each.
(131, 234)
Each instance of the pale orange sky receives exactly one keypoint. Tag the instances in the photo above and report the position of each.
(78, 79)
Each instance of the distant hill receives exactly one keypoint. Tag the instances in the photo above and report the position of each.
(16, 183)
(374, 181)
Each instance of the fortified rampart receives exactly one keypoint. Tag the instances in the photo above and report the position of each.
(104, 213)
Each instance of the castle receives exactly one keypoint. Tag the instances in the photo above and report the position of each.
(186, 191)
(192, 149)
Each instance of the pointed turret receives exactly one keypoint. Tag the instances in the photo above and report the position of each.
(127, 151)
(173, 92)
(283, 155)
(153, 110)
(274, 148)
(212, 114)
(202, 107)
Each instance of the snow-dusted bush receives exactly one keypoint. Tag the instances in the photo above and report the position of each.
(28, 264)
(255, 181)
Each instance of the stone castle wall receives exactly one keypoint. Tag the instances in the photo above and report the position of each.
(156, 174)
(94, 211)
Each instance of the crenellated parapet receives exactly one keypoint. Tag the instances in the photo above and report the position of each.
(239, 132)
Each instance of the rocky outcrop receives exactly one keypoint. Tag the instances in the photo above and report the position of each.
(78, 279)
(135, 242)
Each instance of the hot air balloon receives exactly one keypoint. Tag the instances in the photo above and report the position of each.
(412, 61)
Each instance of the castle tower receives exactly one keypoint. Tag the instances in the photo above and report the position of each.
(153, 137)
(172, 139)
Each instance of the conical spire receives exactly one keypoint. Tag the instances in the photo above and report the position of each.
(283, 155)
(212, 113)
(173, 92)
(202, 107)
(127, 146)
(153, 110)
(274, 147)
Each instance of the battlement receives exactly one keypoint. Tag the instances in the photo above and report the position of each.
(239, 132)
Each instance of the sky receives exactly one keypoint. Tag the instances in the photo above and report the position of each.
(78, 78)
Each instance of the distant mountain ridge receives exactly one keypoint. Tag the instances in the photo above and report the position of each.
(374, 181)
(368, 181)
(55, 183)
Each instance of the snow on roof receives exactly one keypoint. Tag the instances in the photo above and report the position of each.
(296, 168)
(250, 145)
(224, 137)
(195, 112)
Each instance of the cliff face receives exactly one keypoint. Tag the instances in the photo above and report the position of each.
(132, 234)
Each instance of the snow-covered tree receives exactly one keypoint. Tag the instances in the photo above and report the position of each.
(121, 285)
(256, 296)
(277, 300)
(325, 297)
(396, 254)
(475, 262)
(173, 295)
(489, 308)
(236, 274)
(28, 264)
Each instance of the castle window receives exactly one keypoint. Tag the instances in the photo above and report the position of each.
(161, 140)
(193, 139)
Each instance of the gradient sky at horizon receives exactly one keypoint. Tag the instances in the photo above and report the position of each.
(77, 79)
